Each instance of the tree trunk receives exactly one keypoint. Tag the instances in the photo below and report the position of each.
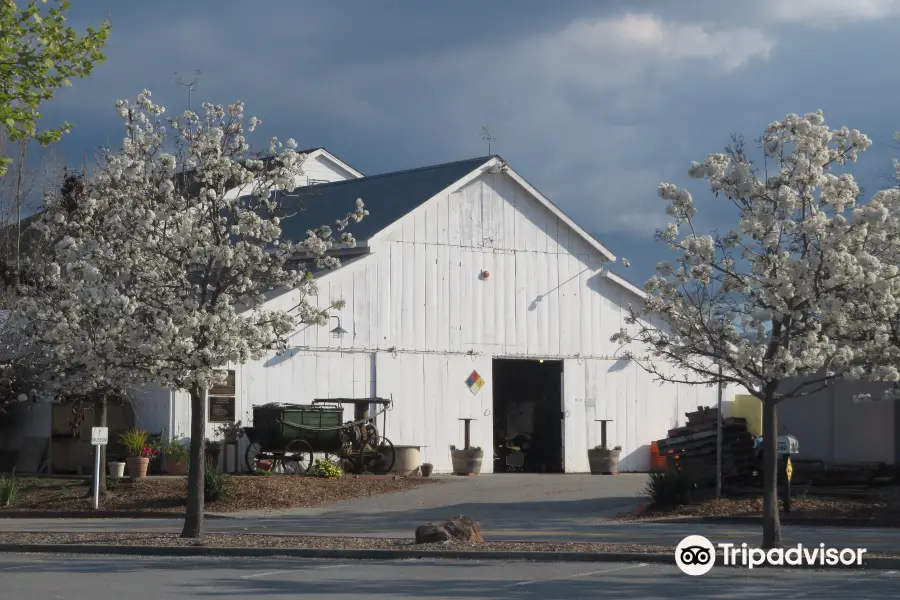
(193, 518)
(100, 419)
(771, 523)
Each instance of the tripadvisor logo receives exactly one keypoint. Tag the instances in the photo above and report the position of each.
(696, 555)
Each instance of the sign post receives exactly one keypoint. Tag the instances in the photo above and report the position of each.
(99, 437)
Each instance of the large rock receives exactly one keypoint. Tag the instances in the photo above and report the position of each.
(460, 529)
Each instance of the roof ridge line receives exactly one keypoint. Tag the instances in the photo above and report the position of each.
(402, 172)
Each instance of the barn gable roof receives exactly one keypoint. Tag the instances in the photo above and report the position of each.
(391, 196)
(387, 197)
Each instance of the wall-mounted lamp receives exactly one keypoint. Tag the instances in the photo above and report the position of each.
(485, 275)
(338, 331)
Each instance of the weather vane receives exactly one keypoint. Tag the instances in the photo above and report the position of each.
(486, 135)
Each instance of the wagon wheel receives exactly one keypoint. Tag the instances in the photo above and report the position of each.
(380, 459)
(297, 459)
(356, 458)
(251, 457)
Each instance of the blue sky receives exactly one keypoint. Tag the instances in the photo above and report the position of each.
(594, 102)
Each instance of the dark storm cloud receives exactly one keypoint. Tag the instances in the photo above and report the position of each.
(594, 102)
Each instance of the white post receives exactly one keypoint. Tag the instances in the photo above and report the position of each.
(97, 475)
(719, 439)
(99, 437)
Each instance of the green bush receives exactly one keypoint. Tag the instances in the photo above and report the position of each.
(214, 483)
(134, 440)
(669, 488)
(9, 489)
(173, 450)
(326, 470)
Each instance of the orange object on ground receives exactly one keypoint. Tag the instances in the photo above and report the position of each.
(657, 461)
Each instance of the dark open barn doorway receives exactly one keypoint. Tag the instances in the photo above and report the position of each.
(527, 413)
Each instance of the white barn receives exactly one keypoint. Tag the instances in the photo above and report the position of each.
(464, 267)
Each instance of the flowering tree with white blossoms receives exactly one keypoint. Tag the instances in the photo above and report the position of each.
(161, 276)
(766, 301)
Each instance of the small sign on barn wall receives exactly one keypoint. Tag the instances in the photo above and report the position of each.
(221, 409)
(475, 382)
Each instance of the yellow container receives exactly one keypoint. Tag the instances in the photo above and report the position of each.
(750, 408)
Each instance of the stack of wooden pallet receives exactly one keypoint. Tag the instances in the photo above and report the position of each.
(692, 448)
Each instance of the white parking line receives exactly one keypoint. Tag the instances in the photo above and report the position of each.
(574, 576)
(300, 568)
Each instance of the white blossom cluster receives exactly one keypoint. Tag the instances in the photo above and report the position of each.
(158, 274)
(804, 290)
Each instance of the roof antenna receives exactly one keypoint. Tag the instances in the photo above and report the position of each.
(486, 135)
(190, 85)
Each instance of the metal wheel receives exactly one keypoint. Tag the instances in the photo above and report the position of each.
(297, 459)
(380, 459)
(356, 459)
(251, 457)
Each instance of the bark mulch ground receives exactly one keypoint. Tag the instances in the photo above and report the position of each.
(881, 505)
(228, 540)
(245, 493)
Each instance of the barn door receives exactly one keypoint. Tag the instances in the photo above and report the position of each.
(562, 398)
(575, 426)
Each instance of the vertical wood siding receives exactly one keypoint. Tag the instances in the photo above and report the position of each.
(419, 304)
(422, 286)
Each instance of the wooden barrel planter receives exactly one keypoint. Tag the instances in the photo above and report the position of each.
(466, 462)
(604, 461)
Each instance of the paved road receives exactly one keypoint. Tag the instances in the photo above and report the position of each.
(81, 578)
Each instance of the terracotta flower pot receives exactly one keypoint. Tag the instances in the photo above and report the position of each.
(177, 467)
(137, 466)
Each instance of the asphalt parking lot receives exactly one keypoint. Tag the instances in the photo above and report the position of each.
(51, 577)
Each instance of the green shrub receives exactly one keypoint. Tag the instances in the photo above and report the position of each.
(134, 440)
(326, 470)
(213, 483)
(9, 489)
(669, 488)
(173, 450)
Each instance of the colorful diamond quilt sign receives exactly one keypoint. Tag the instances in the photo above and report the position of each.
(475, 382)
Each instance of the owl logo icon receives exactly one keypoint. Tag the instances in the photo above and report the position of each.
(695, 555)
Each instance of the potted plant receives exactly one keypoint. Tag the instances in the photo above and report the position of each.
(231, 432)
(177, 456)
(139, 452)
(466, 461)
(604, 461)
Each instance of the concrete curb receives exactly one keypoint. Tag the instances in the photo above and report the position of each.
(97, 514)
(890, 563)
(807, 521)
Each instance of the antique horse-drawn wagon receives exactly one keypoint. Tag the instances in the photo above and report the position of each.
(290, 435)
